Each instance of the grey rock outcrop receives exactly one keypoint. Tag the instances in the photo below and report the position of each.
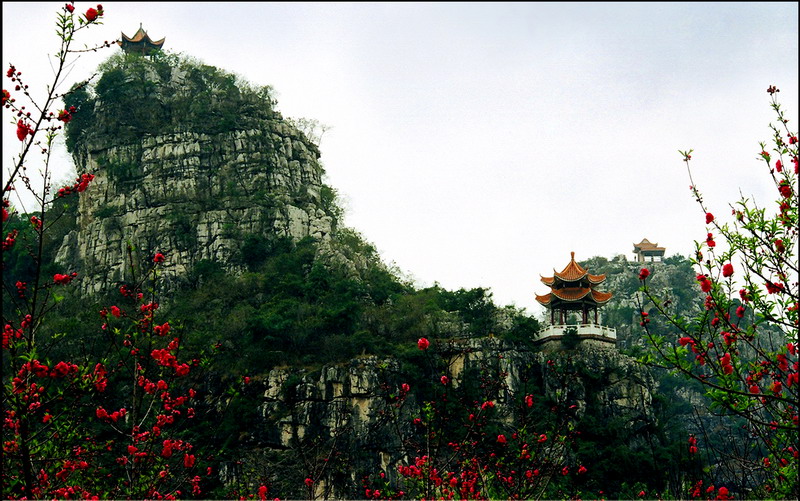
(353, 406)
(192, 195)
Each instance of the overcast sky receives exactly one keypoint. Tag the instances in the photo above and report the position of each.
(478, 144)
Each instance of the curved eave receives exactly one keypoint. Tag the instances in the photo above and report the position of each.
(548, 280)
(596, 279)
(141, 37)
(575, 295)
(601, 297)
(571, 294)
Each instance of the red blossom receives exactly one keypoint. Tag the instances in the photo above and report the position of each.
(423, 343)
(6, 97)
(162, 330)
(91, 14)
(728, 338)
(23, 130)
(709, 217)
(64, 116)
(705, 283)
(158, 258)
(644, 273)
(710, 240)
(778, 166)
(501, 439)
(725, 363)
(444, 380)
(727, 270)
(773, 287)
(60, 279)
(785, 189)
(70, 8)
(10, 239)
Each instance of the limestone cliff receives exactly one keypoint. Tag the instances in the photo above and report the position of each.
(304, 415)
(178, 180)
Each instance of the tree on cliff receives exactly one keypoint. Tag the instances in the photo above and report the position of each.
(742, 344)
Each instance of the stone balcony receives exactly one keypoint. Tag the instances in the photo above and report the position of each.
(585, 332)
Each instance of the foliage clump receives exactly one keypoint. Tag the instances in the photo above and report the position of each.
(137, 96)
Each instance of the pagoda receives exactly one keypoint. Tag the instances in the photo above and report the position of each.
(645, 250)
(140, 43)
(574, 290)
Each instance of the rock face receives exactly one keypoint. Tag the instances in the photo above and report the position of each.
(194, 197)
(193, 193)
(354, 407)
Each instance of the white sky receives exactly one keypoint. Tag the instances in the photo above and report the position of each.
(477, 144)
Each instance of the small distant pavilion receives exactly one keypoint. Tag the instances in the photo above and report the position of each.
(646, 251)
(140, 43)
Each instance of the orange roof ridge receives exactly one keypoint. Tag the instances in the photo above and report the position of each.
(140, 37)
(573, 271)
(645, 244)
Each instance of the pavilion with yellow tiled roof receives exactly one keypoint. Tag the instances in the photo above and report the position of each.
(645, 249)
(574, 289)
(140, 43)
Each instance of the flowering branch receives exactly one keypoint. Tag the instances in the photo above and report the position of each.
(744, 349)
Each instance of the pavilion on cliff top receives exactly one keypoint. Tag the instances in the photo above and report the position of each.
(140, 43)
(645, 249)
(574, 289)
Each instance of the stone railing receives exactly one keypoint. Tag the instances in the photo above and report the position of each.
(583, 330)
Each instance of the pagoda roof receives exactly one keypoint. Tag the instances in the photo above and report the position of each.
(574, 294)
(572, 273)
(646, 245)
(140, 41)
